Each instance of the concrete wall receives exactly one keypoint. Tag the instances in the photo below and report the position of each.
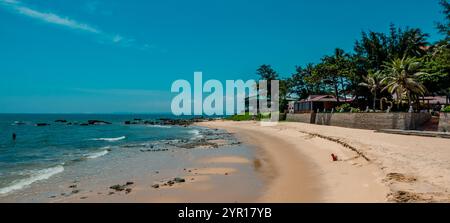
(444, 122)
(374, 121)
(304, 118)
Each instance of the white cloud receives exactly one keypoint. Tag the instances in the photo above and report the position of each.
(117, 38)
(55, 19)
(66, 22)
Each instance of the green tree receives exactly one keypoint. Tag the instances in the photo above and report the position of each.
(266, 72)
(300, 84)
(373, 82)
(374, 49)
(371, 51)
(284, 93)
(411, 42)
(437, 68)
(335, 71)
(402, 78)
(444, 27)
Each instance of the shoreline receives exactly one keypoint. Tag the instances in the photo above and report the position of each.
(210, 167)
(304, 171)
(231, 162)
(372, 166)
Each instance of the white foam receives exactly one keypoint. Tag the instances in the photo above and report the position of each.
(110, 139)
(35, 176)
(196, 133)
(160, 126)
(97, 154)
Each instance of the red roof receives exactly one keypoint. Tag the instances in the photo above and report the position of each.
(324, 98)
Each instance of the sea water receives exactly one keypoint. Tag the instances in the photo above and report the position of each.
(41, 152)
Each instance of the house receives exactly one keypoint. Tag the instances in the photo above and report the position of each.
(316, 102)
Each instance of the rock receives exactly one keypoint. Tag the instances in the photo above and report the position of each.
(128, 190)
(129, 183)
(75, 191)
(61, 121)
(73, 186)
(156, 186)
(82, 198)
(170, 183)
(110, 193)
(42, 124)
(179, 180)
(118, 187)
(226, 174)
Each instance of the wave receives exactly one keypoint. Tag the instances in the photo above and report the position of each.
(97, 154)
(160, 126)
(196, 133)
(35, 176)
(110, 139)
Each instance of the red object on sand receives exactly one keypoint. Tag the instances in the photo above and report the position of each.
(335, 158)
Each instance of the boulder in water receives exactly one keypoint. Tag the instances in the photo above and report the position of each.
(42, 124)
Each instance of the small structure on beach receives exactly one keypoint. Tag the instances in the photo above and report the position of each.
(316, 102)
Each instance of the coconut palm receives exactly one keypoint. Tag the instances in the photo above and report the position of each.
(402, 78)
(373, 82)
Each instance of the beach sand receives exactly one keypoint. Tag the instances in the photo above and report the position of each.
(372, 167)
(285, 163)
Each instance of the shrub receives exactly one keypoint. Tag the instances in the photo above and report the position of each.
(355, 110)
(249, 117)
(446, 109)
(343, 108)
(347, 108)
(241, 117)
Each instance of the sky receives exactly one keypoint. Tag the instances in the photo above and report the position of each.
(114, 56)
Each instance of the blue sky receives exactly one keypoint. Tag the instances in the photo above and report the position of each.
(106, 56)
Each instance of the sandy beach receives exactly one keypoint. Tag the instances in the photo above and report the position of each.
(245, 162)
(371, 167)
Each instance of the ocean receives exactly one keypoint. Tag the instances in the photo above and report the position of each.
(40, 152)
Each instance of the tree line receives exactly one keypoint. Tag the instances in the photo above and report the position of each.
(400, 65)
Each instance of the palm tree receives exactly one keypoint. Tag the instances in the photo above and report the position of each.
(373, 82)
(402, 78)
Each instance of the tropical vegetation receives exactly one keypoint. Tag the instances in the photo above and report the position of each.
(401, 65)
